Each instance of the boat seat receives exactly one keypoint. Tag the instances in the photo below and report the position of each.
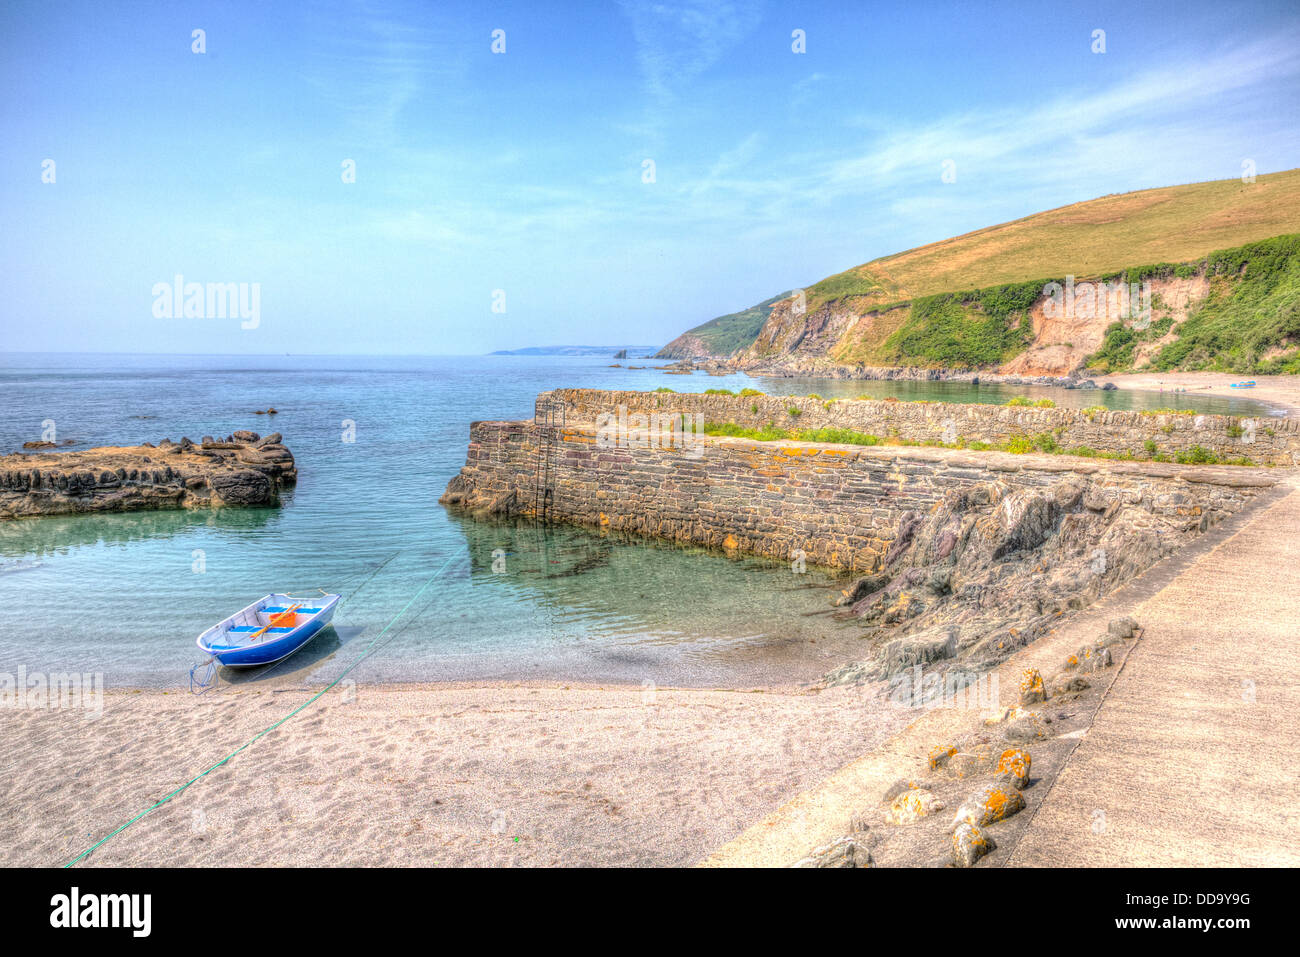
(246, 629)
(277, 609)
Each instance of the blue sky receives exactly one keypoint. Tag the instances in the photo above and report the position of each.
(523, 171)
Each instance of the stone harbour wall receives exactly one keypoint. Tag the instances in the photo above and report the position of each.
(838, 506)
(1265, 440)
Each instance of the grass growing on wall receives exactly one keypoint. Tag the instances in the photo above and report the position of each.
(1046, 443)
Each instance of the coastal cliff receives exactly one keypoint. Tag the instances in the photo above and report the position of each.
(244, 469)
(1197, 277)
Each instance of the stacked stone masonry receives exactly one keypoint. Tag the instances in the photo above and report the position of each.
(1265, 440)
(837, 505)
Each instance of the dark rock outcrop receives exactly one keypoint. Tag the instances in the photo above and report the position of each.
(991, 567)
(244, 471)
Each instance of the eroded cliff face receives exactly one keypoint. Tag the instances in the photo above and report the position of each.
(852, 333)
(686, 346)
(245, 469)
(793, 334)
(1062, 342)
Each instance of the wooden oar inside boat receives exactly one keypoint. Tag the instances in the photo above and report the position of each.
(277, 620)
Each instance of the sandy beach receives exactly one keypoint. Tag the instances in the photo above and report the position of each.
(488, 773)
(1281, 391)
(422, 775)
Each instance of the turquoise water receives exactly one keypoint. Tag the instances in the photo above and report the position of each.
(125, 594)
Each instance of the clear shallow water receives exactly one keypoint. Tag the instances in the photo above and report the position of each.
(125, 594)
(996, 394)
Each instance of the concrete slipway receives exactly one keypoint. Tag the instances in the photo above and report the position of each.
(1188, 757)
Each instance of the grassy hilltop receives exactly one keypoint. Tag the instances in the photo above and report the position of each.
(968, 301)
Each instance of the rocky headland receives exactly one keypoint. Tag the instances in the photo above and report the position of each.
(243, 469)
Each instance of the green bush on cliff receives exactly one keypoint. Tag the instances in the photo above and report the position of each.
(1046, 442)
(1250, 321)
(718, 392)
(750, 392)
(1118, 348)
(973, 329)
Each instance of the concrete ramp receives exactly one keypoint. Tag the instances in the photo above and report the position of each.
(1192, 757)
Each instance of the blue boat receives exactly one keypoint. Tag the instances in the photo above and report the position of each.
(1244, 385)
(268, 630)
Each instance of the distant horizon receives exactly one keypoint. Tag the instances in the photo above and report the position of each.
(243, 355)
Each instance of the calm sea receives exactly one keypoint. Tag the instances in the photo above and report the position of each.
(125, 594)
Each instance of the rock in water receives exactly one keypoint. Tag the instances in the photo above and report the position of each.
(112, 479)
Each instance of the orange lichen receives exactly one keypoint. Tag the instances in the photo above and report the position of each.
(1031, 686)
(1016, 762)
(940, 754)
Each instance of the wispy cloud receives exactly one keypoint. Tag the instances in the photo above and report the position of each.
(370, 62)
(1147, 109)
(676, 42)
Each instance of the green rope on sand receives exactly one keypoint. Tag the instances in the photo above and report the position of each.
(268, 729)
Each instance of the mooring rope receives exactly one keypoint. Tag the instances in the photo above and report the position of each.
(269, 728)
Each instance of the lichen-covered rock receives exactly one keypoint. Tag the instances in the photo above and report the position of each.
(1015, 763)
(1122, 627)
(1002, 715)
(845, 852)
(939, 755)
(1025, 730)
(1068, 684)
(988, 805)
(1101, 658)
(911, 806)
(965, 764)
(898, 787)
(969, 844)
(1031, 687)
